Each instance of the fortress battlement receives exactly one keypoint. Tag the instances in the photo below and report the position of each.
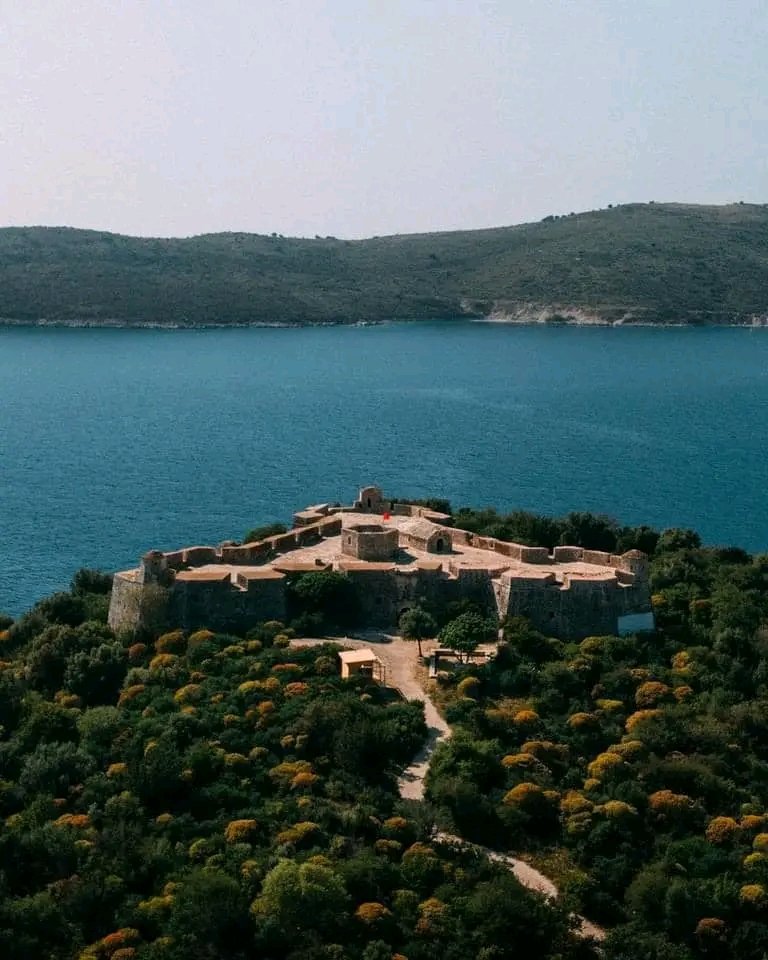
(397, 554)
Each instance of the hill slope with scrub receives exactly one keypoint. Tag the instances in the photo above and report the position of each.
(649, 263)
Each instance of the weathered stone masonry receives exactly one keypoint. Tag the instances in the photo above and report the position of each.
(396, 555)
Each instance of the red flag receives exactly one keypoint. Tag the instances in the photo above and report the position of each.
(385, 516)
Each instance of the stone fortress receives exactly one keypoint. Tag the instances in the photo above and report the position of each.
(397, 555)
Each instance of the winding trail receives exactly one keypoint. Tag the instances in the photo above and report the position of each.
(400, 660)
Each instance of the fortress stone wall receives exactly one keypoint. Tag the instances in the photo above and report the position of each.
(396, 555)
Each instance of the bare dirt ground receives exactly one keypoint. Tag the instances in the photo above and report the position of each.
(404, 673)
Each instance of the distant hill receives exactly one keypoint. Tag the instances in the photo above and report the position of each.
(651, 263)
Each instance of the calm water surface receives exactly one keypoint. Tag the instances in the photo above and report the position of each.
(115, 441)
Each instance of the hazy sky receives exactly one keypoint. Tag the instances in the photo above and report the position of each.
(360, 117)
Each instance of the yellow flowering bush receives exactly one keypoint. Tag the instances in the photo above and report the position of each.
(162, 661)
(130, 693)
(681, 662)
(525, 718)
(155, 907)
(582, 720)
(284, 773)
(304, 780)
(431, 913)
(239, 831)
(573, 802)
(603, 763)
(524, 795)
(722, 830)
(198, 637)
(752, 821)
(639, 717)
(627, 749)
(754, 895)
(609, 706)
(117, 769)
(665, 802)
(651, 693)
(77, 820)
(235, 760)
(545, 750)
(298, 832)
(189, 693)
(371, 913)
(616, 810)
(172, 642)
(755, 861)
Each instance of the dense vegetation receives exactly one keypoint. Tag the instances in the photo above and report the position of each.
(658, 262)
(634, 770)
(212, 796)
(217, 797)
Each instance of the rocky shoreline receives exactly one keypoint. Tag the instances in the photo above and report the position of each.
(531, 315)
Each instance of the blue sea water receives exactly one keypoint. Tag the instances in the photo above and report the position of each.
(115, 441)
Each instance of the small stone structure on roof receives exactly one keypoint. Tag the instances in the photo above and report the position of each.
(396, 555)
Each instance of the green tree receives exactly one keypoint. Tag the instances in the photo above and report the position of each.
(264, 532)
(417, 624)
(91, 581)
(326, 597)
(301, 896)
(209, 914)
(466, 633)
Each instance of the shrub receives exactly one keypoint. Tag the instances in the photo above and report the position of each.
(582, 721)
(760, 843)
(189, 693)
(616, 810)
(469, 687)
(640, 717)
(651, 693)
(172, 642)
(525, 718)
(754, 895)
(602, 764)
(722, 830)
(239, 831)
(162, 661)
(371, 913)
(755, 861)
(574, 802)
(526, 795)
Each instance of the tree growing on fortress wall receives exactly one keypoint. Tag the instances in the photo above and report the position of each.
(264, 532)
(325, 600)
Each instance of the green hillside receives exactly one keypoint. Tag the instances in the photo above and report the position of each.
(660, 263)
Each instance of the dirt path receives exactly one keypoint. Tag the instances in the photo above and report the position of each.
(527, 875)
(400, 660)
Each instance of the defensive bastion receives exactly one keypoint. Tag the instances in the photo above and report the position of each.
(396, 555)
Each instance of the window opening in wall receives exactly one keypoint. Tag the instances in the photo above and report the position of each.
(369, 503)
(439, 545)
